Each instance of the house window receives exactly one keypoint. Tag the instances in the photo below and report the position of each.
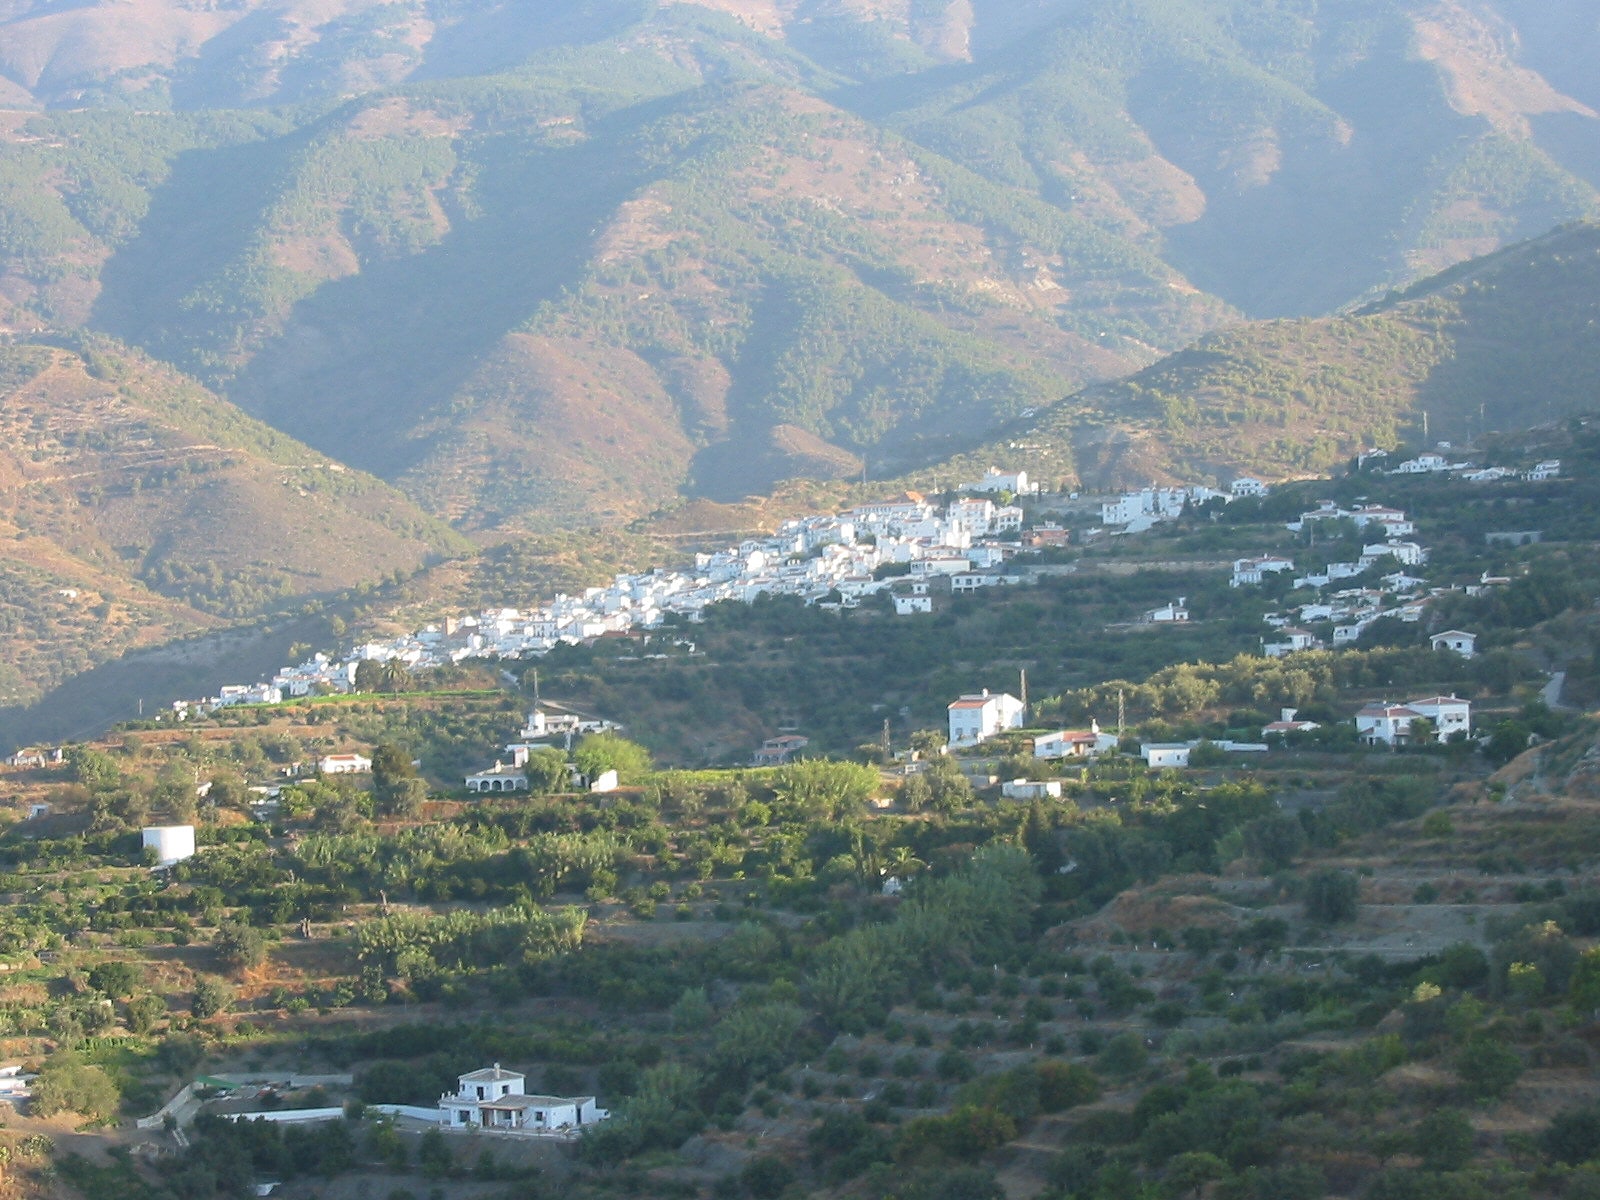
(461, 1116)
(480, 1093)
(539, 1117)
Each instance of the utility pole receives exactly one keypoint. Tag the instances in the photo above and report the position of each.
(1023, 674)
(1122, 715)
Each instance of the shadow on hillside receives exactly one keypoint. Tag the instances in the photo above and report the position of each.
(90, 703)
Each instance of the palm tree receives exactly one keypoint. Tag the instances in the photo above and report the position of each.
(394, 676)
(903, 863)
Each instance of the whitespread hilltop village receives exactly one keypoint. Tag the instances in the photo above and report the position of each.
(910, 548)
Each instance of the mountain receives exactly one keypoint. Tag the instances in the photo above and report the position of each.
(136, 508)
(538, 265)
(1501, 342)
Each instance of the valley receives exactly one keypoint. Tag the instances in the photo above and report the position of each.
(760, 599)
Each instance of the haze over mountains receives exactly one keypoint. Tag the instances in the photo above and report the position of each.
(533, 263)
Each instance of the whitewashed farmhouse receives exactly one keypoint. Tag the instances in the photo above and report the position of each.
(493, 1098)
(974, 718)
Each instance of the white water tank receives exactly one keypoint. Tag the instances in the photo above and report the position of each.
(172, 843)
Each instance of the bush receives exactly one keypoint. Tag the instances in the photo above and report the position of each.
(766, 1177)
(68, 1084)
(1574, 1135)
(1444, 1140)
(1331, 897)
(211, 996)
(1487, 1067)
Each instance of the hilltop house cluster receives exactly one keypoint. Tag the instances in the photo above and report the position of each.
(962, 546)
(1435, 463)
(1400, 594)
(837, 560)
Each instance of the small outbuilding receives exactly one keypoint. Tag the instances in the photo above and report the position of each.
(171, 843)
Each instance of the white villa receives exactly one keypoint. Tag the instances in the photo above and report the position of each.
(1074, 743)
(499, 778)
(1254, 570)
(344, 764)
(493, 1098)
(1458, 641)
(1388, 724)
(976, 717)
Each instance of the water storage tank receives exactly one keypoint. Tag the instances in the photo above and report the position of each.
(172, 843)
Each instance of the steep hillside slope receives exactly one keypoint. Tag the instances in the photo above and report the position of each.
(570, 261)
(136, 507)
(1501, 342)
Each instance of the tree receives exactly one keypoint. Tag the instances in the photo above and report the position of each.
(239, 945)
(1274, 840)
(115, 979)
(766, 1177)
(407, 800)
(1584, 992)
(1444, 1140)
(1487, 1067)
(434, 1156)
(1189, 1172)
(211, 996)
(368, 673)
(392, 772)
(68, 1084)
(821, 789)
(93, 768)
(144, 1011)
(1574, 1135)
(546, 771)
(602, 752)
(1509, 739)
(1332, 896)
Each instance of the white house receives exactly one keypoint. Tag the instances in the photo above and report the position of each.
(1421, 465)
(1253, 570)
(1449, 714)
(1406, 553)
(904, 606)
(1031, 789)
(1292, 640)
(1176, 611)
(1074, 743)
(1166, 754)
(501, 777)
(1548, 469)
(1457, 641)
(1287, 723)
(972, 581)
(343, 764)
(1246, 486)
(493, 1098)
(976, 717)
(1390, 724)
(1392, 520)
(776, 751)
(1385, 724)
(996, 480)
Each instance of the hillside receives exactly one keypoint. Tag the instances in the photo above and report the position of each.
(138, 508)
(535, 271)
(1497, 343)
